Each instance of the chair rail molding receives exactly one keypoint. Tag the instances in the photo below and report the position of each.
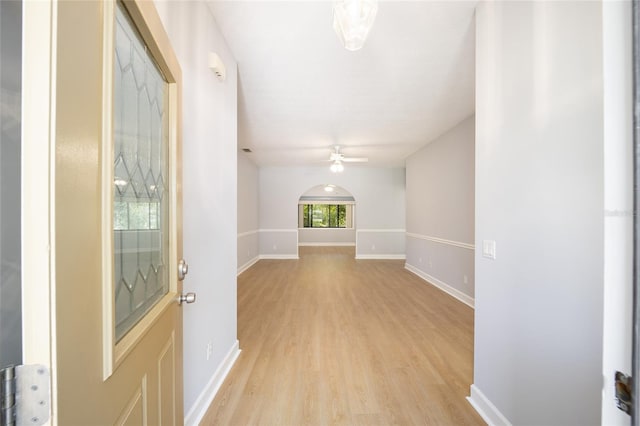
(247, 233)
(442, 241)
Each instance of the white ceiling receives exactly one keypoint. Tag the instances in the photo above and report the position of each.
(300, 92)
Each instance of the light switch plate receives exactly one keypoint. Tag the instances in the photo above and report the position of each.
(489, 249)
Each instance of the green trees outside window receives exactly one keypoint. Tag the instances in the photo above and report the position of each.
(324, 215)
(129, 216)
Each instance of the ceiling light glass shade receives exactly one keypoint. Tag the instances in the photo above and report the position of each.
(352, 20)
(337, 166)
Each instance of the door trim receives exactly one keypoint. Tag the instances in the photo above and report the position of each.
(38, 201)
(635, 358)
(108, 305)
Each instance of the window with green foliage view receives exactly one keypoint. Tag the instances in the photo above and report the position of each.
(324, 216)
(132, 215)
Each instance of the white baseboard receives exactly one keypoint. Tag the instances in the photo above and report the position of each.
(248, 265)
(464, 298)
(486, 409)
(381, 256)
(327, 244)
(279, 256)
(200, 407)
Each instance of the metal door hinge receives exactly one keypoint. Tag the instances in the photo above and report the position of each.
(24, 395)
(623, 385)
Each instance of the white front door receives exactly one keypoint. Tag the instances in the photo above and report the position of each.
(102, 211)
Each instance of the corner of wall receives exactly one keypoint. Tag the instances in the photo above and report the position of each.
(486, 409)
(450, 290)
(204, 400)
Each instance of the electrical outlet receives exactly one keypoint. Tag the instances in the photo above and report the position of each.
(465, 279)
(209, 350)
(373, 247)
(420, 260)
(275, 247)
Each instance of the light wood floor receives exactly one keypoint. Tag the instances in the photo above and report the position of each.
(331, 340)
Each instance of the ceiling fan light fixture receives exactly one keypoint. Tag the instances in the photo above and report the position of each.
(337, 167)
(352, 21)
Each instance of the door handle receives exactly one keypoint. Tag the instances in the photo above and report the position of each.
(186, 298)
(183, 269)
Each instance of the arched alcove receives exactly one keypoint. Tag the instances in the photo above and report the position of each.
(326, 217)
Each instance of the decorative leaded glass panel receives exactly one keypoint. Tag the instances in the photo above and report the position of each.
(140, 209)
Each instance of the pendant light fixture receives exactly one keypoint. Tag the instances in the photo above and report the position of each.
(337, 167)
(352, 20)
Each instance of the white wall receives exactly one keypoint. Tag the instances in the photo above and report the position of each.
(379, 211)
(539, 195)
(210, 202)
(440, 211)
(618, 202)
(327, 236)
(247, 213)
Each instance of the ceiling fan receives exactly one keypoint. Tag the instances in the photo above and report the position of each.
(337, 158)
(336, 155)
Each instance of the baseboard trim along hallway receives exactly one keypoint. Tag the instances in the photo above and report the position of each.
(248, 265)
(467, 300)
(486, 409)
(197, 412)
(278, 257)
(380, 257)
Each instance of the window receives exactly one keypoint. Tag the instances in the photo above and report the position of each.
(326, 215)
(135, 216)
(140, 208)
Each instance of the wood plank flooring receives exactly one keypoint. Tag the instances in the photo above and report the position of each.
(332, 340)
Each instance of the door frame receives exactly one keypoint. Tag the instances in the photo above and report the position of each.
(635, 358)
(38, 204)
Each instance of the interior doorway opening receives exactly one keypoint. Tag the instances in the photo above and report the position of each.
(326, 217)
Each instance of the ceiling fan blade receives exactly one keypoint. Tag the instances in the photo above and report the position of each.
(355, 159)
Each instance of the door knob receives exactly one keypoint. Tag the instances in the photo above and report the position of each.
(186, 298)
(183, 269)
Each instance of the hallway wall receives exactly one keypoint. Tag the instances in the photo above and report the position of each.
(248, 252)
(210, 200)
(440, 212)
(539, 196)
